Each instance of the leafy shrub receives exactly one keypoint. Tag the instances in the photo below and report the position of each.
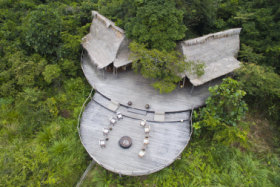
(223, 113)
(263, 89)
(21, 72)
(161, 66)
(51, 72)
(32, 111)
(165, 68)
(26, 165)
(201, 164)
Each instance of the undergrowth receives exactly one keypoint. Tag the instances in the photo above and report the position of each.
(202, 164)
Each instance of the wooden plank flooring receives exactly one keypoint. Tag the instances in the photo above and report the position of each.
(168, 136)
(129, 86)
(167, 140)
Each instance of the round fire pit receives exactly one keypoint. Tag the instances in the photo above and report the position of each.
(125, 142)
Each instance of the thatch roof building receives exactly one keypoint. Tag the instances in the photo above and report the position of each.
(218, 51)
(128, 127)
(106, 43)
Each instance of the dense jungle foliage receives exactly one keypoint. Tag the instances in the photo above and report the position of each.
(42, 89)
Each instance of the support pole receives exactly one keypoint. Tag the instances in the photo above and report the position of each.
(192, 89)
(85, 173)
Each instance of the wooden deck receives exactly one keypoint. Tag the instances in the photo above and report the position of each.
(169, 117)
(129, 86)
(167, 139)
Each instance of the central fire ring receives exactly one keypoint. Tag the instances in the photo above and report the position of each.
(125, 142)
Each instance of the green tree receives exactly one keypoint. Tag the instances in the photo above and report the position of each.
(225, 108)
(199, 16)
(165, 68)
(119, 11)
(41, 30)
(20, 71)
(158, 24)
(51, 72)
(260, 25)
(26, 164)
(262, 85)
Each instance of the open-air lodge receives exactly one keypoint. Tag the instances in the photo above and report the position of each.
(128, 127)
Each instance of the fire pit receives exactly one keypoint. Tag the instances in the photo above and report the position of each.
(125, 142)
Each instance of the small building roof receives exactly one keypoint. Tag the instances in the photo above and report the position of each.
(123, 58)
(106, 43)
(218, 51)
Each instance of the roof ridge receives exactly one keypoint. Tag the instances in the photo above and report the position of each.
(205, 38)
(106, 21)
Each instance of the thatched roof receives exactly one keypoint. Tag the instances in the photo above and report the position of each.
(123, 54)
(218, 51)
(106, 43)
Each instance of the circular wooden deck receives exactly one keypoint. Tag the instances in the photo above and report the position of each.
(167, 139)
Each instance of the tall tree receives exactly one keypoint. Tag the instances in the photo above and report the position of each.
(41, 30)
(165, 68)
(158, 24)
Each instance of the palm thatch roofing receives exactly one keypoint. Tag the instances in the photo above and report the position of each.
(106, 43)
(218, 51)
